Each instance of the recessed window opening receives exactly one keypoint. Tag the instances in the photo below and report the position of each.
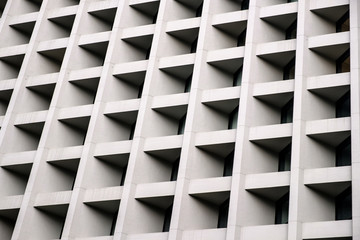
(287, 112)
(282, 210)
(343, 24)
(343, 63)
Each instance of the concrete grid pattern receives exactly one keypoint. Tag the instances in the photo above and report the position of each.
(179, 119)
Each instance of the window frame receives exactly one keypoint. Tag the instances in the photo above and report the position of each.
(341, 60)
(340, 159)
(283, 159)
(341, 21)
(287, 111)
(287, 69)
(223, 214)
(341, 104)
(279, 207)
(340, 204)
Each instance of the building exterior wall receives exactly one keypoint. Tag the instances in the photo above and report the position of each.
(150, 119)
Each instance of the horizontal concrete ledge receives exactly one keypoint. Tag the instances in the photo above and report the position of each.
(225, 54)
(220, 94)
(137, 2)
(133, 32)
(320, 4)
(329, 229)
(75, 112)
(270, 132)
(205, 234)
(25, 18)
(278, 232)
(327, 175)
(50, 199)
(267, 180)
(163, 143)
(130, 67)
(270, 88)
(151, 190)
(7, 84)
(103, 194)
(328, 40)
(277, 47)
(11, 202)
(31, 117)
(148, 236)
(215, 137)
(62, 12)
(182, 24)
(96, 6)
(210, 185)
(278, 9)
(9, 159)
(122, 106)
(13, 50)
(94, 72)
(51, 78)
(177, 61)
(170, 100)
(65, 153)
(230, 17)
(328, 126)
(112, 148)
(60, 43)
(94, 38)
(328, 81)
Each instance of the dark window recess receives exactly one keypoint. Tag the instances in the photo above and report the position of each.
(241, 38)
(289, 1)
(141, 87)
(287, 112)
(122, 181)
(343, 153)
(343, 24)
(343, 62)
(175, 170)
(167, 219)
(343, 106)
(83, 141)
(289, 70)
(113, 223)
(285, 159)
(282, 210)
(132, 130)
(223, 214)
(148, 53)
(194, 46)
(233, 117)
(245, 4)
(93, 101)
(188, 84)
(181, 125)
(73, 183)
(290, 32)
(228, 165)
(343, 205)
(62, 228)
(155, 17)
(237, 78)
(199, 10)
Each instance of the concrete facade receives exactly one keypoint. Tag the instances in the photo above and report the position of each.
(179, 120)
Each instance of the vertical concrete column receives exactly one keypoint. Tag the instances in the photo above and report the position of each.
(237, 215)
(355, 114)
(296, 198)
